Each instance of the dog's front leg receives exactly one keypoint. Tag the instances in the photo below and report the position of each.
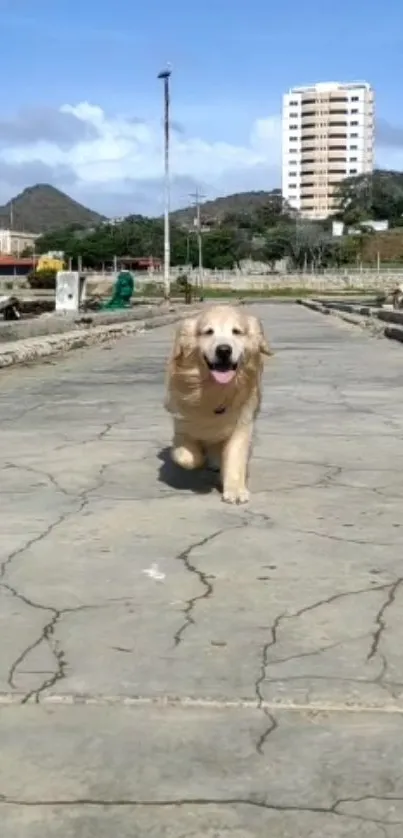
(235, 457)
(187, 452)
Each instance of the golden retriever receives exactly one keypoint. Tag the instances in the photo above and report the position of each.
(214, 392)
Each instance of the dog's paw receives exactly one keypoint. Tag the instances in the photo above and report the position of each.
(236, 495)
(187, 458)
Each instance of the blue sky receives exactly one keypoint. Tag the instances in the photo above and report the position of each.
(231, 59)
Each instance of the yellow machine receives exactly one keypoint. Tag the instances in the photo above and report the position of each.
(49, 263)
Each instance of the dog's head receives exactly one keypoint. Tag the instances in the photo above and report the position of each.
(223, 339)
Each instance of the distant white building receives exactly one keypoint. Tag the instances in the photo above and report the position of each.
(328, 135)
(13, 243)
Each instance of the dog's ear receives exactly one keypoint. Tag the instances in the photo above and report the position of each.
(184, 338)
(256, 332)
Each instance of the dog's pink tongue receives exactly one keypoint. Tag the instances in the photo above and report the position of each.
(222, 377)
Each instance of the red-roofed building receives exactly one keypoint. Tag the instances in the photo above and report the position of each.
(12, 266)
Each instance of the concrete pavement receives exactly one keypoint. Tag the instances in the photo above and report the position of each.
(171, 666)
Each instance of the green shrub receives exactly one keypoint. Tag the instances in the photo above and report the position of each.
(152, 289)
(42, 279)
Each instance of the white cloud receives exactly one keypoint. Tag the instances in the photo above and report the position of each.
(120, 155)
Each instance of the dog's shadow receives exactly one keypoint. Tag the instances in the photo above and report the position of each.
(200, 481)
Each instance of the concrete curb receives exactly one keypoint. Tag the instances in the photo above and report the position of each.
(371, 320)
(53, 324)
(394, 333)
(35, 348)
(365, 321)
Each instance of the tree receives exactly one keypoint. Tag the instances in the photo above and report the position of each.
(271, 213)
(277, 244)
(311, 247)
(222, 249)
(376, 196)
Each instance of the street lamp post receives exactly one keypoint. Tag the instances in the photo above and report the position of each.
(165, 76)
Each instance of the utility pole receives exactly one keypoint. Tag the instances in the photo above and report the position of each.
(165, 75)
(196, 196)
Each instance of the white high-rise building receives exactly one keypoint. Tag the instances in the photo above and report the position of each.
(328, 135)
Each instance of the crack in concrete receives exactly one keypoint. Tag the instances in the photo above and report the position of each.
(204, 579)
(273, 724)
(23, 413)
(48, 632)
(4, 566)
(334, 598)
(274, 629)
(341, 538)
(380, 623)
(46, 635)
(314, 652)
(182, 802)
(97, 437)
(100, 435)
(40, 473)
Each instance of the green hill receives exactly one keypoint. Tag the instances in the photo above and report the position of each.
(42, 208)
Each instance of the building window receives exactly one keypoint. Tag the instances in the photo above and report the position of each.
(353, 171)
(353, 147)
(292, 174)
(293, 127)
(355, 98)
(293, 139)
(353, 159)
(292, 185)
(354, 135)
(354, 110)
(293, 115)
(293, 104)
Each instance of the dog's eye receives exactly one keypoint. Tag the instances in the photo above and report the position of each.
(236, 331)
(209, 331)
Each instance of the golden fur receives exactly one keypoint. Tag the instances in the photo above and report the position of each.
(212, 419)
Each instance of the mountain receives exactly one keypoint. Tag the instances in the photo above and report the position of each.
(42, 208)
(214, 211)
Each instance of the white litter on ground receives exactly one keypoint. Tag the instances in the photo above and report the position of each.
(154, 573)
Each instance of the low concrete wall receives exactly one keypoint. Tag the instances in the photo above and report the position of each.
(102, 284)
(332, 281)
(33, 349)
(54, 324)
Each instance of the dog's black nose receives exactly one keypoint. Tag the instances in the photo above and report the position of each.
(223, 351)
